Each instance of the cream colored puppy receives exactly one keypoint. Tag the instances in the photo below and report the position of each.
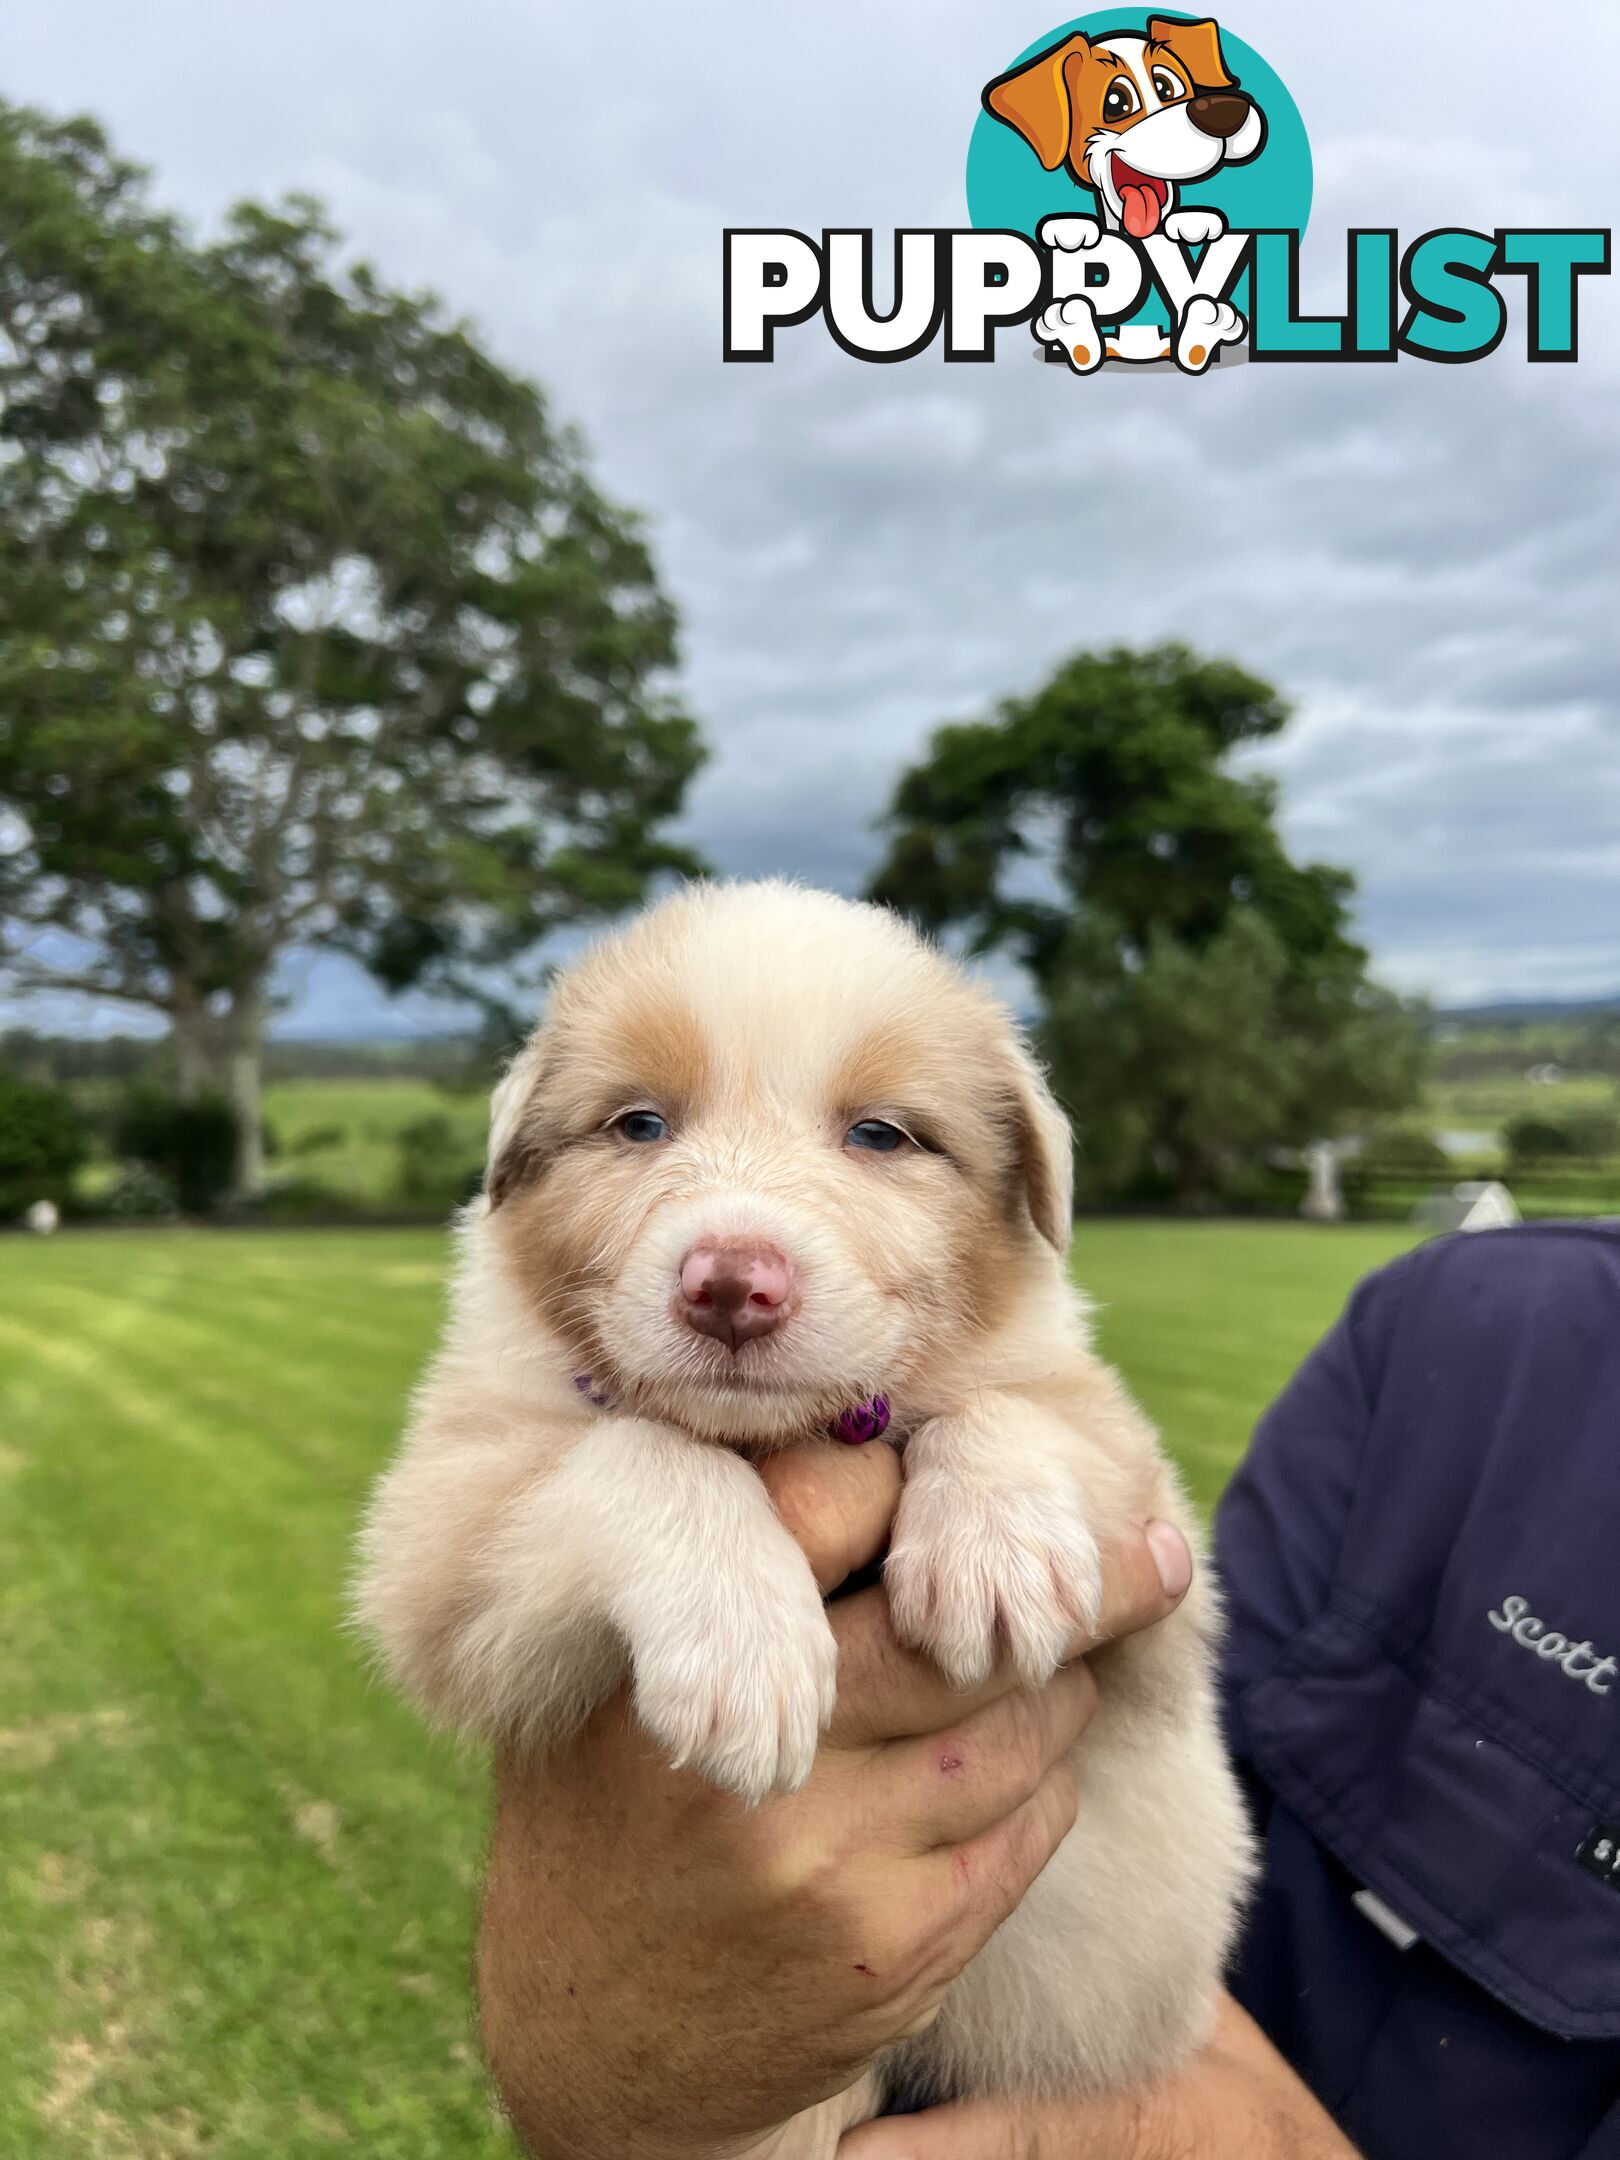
(772, 1160)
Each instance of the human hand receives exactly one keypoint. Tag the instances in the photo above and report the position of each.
(656, 1954)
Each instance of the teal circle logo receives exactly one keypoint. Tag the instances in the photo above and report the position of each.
(1070, 109)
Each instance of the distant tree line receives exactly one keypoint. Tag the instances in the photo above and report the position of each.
(50, 1060)
(60, 1060)
(1494, 1048)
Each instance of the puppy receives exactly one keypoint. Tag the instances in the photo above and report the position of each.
(773, 1164)
(1133, 118)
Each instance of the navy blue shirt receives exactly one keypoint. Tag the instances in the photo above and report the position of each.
(1421, 1562)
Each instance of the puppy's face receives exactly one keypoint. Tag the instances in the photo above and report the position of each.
(769, 1155)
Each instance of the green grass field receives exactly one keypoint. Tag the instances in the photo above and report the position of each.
(238, 1885)
(1487, 1102)
(364, 1117)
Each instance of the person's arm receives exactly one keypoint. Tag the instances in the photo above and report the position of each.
(1236, 2100)
(668, 1975)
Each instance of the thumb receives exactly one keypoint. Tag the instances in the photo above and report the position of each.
(987, 2130)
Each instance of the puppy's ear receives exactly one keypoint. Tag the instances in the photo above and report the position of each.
(515, 1150)
(1034, 99)
(1045, 1151)
(1197, 45)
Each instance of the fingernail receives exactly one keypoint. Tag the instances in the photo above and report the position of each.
(1172, 1557)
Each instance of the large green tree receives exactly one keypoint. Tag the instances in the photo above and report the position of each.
(1203, 998)
(313, 628)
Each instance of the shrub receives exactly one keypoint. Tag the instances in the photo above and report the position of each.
(1595, 1131)
(189, 1142)
(317, 1140)
(293, 1198)
(1581, 1133)
(1258, 1188)
(1535, 1139)
(43, 1141)
(434, 1164)
(137, 1194)
(1405, 1151)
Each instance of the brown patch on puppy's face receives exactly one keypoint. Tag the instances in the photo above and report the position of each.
(763, 1071)
(954, 1153)
(568, 1180)
(578, 1079)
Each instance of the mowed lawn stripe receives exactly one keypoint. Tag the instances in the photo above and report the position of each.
(221, 1537)
(193, 1926)
(222, 1364)
(226, 1949)
(334, 1283)
(222, 1529)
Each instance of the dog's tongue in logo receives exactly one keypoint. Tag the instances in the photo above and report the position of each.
(1141, 198)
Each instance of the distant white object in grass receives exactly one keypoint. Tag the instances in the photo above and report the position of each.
(43, 1217)
(1324, 1198)
(1476, 1204)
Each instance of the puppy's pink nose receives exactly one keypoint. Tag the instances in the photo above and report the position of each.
(735, 1293)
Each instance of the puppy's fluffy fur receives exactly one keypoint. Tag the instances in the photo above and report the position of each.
(528, 1543)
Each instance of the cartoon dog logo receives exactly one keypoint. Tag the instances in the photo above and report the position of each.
(1135, 118)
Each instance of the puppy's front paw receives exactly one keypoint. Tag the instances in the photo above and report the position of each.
(736, 1676)
(978, 1570)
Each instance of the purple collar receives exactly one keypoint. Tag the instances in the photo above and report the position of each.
(863, 1421)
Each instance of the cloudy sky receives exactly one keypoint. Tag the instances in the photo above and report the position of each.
(1426, 558)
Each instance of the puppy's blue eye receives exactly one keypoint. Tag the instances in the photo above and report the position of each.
(643, 1125)
(876, 1134)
